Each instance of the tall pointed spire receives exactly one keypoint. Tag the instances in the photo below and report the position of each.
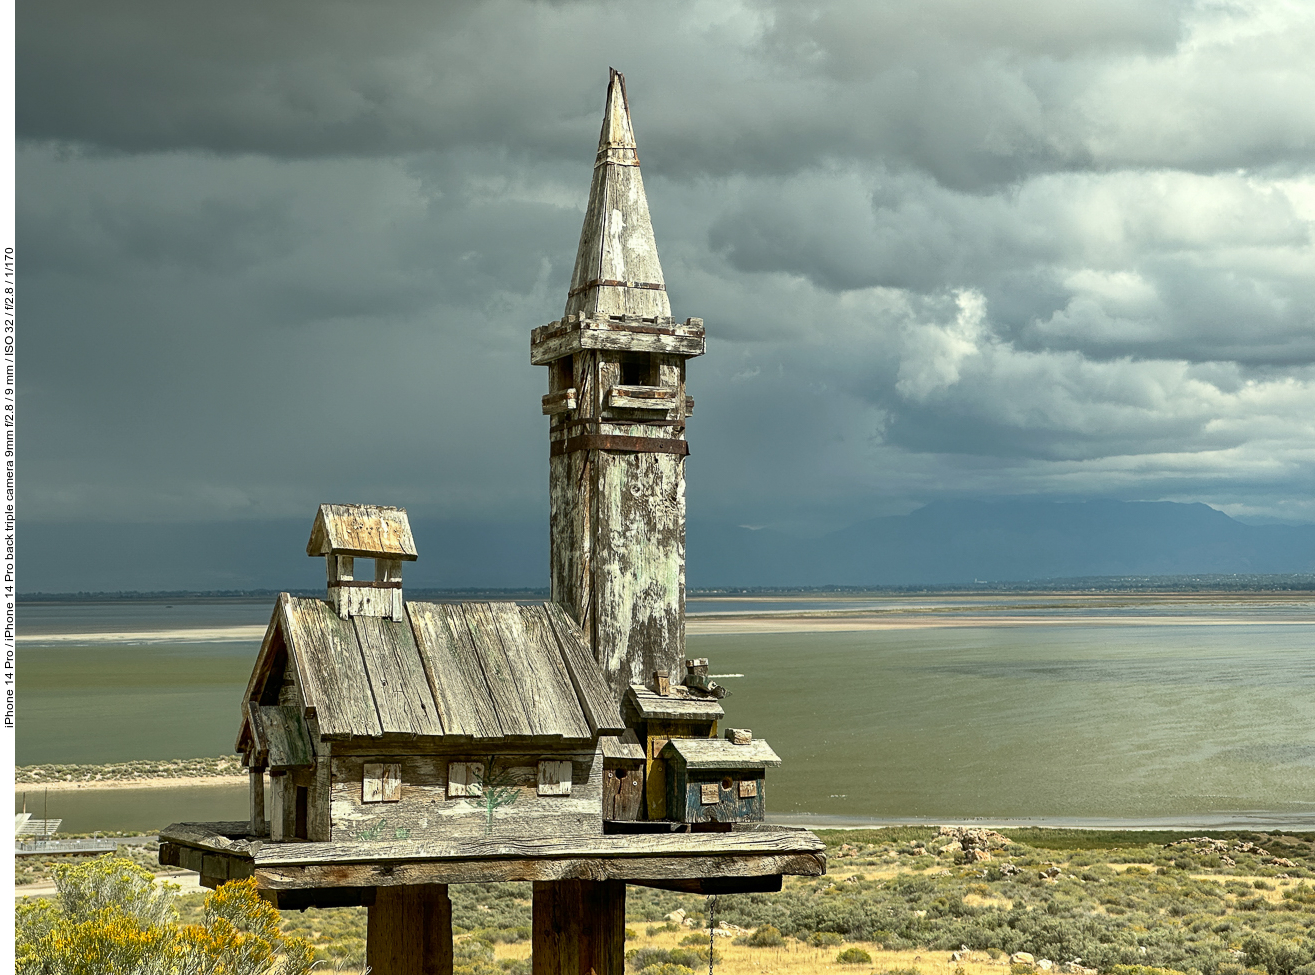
(616, 268)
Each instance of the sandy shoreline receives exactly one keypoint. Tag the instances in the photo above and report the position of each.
(732, 623)
(209, 634)
(801, 621)
(35, 788)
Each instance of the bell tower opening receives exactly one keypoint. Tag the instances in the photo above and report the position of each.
(637, 369)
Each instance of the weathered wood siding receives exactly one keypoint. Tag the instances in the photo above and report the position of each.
(623, 793)
(618, 553)
(425, 812)
(639, 566)
(686, 799)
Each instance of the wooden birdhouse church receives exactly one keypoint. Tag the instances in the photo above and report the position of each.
(397, 746)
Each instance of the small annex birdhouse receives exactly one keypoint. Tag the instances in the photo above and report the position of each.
(344, 533)
(716, 780)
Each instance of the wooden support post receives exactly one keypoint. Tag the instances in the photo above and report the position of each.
(579, 927)
(278, 816)
(409, 931)
(258, 825)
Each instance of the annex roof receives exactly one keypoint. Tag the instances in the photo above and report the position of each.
(624, 749)
(718, 753)
(365, 530)
(482, 671)
(680, 705)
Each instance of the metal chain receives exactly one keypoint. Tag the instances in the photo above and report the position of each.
(712, 925)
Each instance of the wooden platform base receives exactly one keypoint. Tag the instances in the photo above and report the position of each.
(579, 883)
(739, 860)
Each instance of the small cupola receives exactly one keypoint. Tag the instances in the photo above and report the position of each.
(344, 533)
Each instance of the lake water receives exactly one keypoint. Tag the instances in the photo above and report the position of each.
(1193, 712)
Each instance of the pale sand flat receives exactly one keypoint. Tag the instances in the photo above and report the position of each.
(212, 634)
(159, 783)
(732, 624)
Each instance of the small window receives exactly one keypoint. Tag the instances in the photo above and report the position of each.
(636, 369)
(554, 778)
(465, 779)
(563, 373)
(381, 783)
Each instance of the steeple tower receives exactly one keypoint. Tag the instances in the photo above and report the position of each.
(616, 396)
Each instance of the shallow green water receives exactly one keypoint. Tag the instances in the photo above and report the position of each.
(116, 702)
(136, 810)
(1126, 722)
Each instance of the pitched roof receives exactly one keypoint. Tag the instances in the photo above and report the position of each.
(477, 670)
(718, 753)
(281, 737)
(617, 271)
(623, 749)
(364, 530)
(680, 705)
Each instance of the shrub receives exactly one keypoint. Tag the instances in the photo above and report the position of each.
(661, 929)
(666, 968)
(766, 936)
(689, 957)
(498, 936)
(825, 939)
(854, 956)
(693, 957)
(110, 916)
(641, 958)
(470, 951)
(631, 934)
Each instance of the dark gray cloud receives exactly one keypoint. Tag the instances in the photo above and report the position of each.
(280, 254)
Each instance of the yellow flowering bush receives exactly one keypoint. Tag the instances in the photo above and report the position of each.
(110, 917)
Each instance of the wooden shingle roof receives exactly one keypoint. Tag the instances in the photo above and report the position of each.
(680, 705)
(363, 530)
(475, 670)
(718, 753)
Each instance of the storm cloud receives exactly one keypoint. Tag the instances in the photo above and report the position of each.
(278, 254)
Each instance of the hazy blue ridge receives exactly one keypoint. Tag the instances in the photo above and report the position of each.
(943, 543)
(949, 542)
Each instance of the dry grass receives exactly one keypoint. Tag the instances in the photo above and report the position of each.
(796, 958)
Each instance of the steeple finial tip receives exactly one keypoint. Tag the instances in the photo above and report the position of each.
(617, 132)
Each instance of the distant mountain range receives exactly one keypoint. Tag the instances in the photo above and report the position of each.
(943, 543)
(949, 542)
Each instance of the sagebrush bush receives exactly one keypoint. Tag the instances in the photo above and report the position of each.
(766, 936)
(666, 968)
(109, 916)
(854, 956)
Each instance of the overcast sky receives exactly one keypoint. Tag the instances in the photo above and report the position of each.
(278, 253)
